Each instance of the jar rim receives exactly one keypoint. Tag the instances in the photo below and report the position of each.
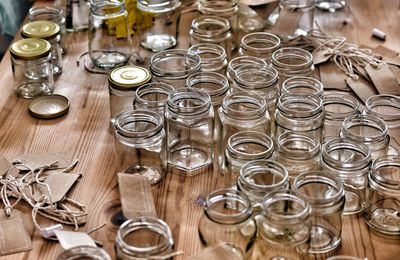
(304, 82)
(286, 137)
(383, 180)
(198, 22)
(260, 37)
(254, 99)
(253, 137)
(210, 48)
(383, 100)
(298, 53)
(85, 250)
(368, 121)
(268, 73)
(340, 99)
(285, 102)
(151, 88)
(97, 7)
(209, 77)
(189, 93)
(138, 115)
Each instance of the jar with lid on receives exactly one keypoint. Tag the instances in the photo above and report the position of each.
(84, 252)
(259, 44)
(152, 96)
(162, 34)
(144, 238)
(227, 218)
(213, 57)
(301, 84)
(383, 196)
(109, 36)
(31, 67)
(141, 144)
(237, 62)
(50, 32)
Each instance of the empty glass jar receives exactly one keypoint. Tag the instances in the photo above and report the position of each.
(300, 84)
(84, 252)
(213, 57)
(259, 44)
(237, 62)
(152, 96)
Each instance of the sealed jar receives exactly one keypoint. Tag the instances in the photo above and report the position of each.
(301, 84)
(152, 96)
(383, 196)
(122, 83)
(141, 144)
(213, 57)
(84, 252)
(31, 67)
(227, 218)
(144, 238)
(259, 44)
(109, 36)
(351, 162)
(163, 32)
(189, 119)
(237, 62)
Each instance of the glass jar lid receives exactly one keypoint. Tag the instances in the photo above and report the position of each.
(40, 29)
(128, 77)
(30, 49)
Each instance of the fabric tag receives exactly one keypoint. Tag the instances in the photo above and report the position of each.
(35, 161)
(394, 60)
(362, 72)
(287, 22)
(384, 52)
(332, 77)
(14, 236)
(69, 239)
(59, 184)
(5, 166)
(220, 252)
(362, 88)
(321, 56)
(383, 78)
(136, 197)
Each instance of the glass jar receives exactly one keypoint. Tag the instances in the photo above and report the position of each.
(163, 33)
(190, 130)
(350, 161)
(152, 96)
(174, 66)
(227, 219)
(213, 57)
(300, 113)
(291, 61)
(338, 107)
(237, 62)
(244, 147)
(84, 252)
(122, 83)
(325, 194)
(50, 32)
(76, 14)
(367, 129)
(330, 5)
(383, 196)
(141, 144)
(259, 44)
(144, 238)
(31, 67)
(211, 29)
(109, 36)
(300, 84)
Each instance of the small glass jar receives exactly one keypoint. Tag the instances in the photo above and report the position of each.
(211, 29)
(189, 119)
(141, 144)
(338, 107)
(152, 96)
(227, 218)
(109, 36)
(144, 238)
(383, 196)
(325, 194)
(291, 61)
(237, 62)
(213, 57)
(50, 32)
(163, 33)
(174, 66)
(350, 161)
(31, 67)
(84, 252)
(300, 84)
(367, 129)
(122, 83)
(259, 44)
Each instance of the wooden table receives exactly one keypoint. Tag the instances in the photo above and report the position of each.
(84, 133)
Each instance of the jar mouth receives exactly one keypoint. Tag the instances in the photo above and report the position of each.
(209, 53)
(300, 84)
(255, 76)
(53, 13)
(210, 26)
(299, 146)
(340, 106)
(237, 62)
(214, 84)
(300, 105)
(107, 8)
(153, 95)
(139, 124)
(250, 145)
(84, 252)
(292, 58)
(384, 106)
(158, 6)
(218, 6)
(370, 128)
(260, 42)
(244, 105)
(189, 101)
(386, 171)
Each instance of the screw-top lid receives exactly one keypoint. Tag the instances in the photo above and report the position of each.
(30, 49)
(129, 77)
(40, 29)
(48, 107)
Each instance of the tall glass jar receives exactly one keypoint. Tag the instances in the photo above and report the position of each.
(383, 196)
(301, 84)
(213, 57)
(237, 62)
(109, 36)
(144, 238)
(259, 44)
(190, 130)
(84, 252)
(152, 96)
(227, 219)
(141, 144)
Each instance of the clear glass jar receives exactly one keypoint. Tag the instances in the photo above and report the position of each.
(300, 84)
(141, 144)
(300, 113)
(367, 129)
(330, 5)
(144, 238)
(284, 227)
(383, 196)
(227, 218)
(76, 14)
(213, 57)
(109, 36)
(338, 107)
(163, 33)
(259, 44)
(84, 252)
(152, 96)
(325, 194)
(237, 62)
(31, 67)
(122, 83)
(174, 66)
(190, 130)
(244, 147)
(350, 161)
(211, 29)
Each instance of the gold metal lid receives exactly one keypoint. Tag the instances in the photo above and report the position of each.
(48, 107)
(40, 29)
(129, 77)
(30, 49)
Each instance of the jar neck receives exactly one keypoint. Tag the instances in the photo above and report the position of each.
(189, 102)
(256, 77)
(386, 107)
(300, 105)
(46, 13)
(107, 8)
(385, 174)
(339, 106)
(157, 6)
(216, 7)
(210, 27)
(84, 252)
(292, 61)
(237, 62)
(297, 146)
(213, 57)
(152, 95)
(300, 84)
(260, 43)
(244, 106)
(297, 3)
